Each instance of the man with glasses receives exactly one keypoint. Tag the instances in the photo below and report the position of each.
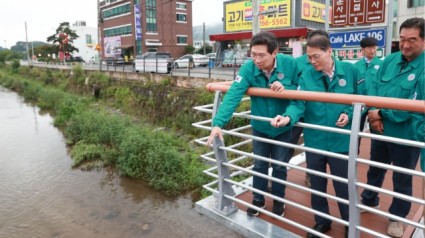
(267, 69)
(398, 77)
(303, 63)
(333, 76)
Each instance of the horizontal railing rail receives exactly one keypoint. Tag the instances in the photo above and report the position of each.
(359, 101)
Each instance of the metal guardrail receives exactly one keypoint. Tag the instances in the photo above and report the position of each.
(210, 71)
(225, 195)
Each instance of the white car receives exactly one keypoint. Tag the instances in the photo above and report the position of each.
(198, 60)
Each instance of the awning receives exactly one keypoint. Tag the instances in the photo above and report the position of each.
(290, 32)
(124, 46)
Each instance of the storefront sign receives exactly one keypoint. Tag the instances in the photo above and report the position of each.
(112, 46)
(354, 54)
(238, 15)
(353, 38)
(138, 22)
(313, 11)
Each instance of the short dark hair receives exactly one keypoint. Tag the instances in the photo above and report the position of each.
(415, 22)
(319, 41)
(264, 38)
(317, 32)
(368, 41)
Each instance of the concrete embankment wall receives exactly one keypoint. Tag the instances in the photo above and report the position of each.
(177, 81)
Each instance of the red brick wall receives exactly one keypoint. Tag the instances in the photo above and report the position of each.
(167, 27)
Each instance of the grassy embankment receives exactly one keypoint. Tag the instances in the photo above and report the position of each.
(142, 129)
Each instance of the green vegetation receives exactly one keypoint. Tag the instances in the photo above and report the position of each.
(144, 130)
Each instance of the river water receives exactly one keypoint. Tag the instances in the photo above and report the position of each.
(42, 196)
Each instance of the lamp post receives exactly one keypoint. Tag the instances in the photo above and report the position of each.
(99, 19)
(255, 17)
(27, 46)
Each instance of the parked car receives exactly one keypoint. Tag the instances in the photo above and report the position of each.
(75, 59)
(198, 60)
(155, 62)
(211, 55)
(114, 60)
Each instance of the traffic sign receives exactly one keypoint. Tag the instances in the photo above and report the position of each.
(375, 11)
(97, 47)
(357, 12)
(352, 38)
(340, 12)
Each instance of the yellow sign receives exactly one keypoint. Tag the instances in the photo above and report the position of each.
(313, 11)
(97, 47)
(238, 15)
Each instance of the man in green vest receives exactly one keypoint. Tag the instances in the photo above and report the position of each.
(267, 69)
(303, 63)
(397, 77)
(369, 65)
(333, 76)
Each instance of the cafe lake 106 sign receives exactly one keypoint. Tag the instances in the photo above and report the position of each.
(357, 12)
(348, 39)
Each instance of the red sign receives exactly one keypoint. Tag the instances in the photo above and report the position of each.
(339, 12)
(375, 11)
(357, 12)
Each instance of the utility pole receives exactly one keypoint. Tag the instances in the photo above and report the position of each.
(203, 38)
(255, 17)
(389, 40)
(27, 48)
(99, 19)
(5, 46)
(32, 48)
(327, 16)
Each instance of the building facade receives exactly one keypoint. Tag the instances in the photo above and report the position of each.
(402, 11)
(86, 42)
(132, 27)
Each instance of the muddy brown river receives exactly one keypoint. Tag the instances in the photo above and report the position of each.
(42, 196)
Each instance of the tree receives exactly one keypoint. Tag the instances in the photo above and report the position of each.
(208, 49)
(64, 37)
(189, 49)
(8, 55)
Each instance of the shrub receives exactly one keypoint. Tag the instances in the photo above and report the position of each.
(15, 66)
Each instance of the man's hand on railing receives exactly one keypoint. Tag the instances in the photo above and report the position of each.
(277, 86)
(216, 131)
(342, 120)
(279, 121)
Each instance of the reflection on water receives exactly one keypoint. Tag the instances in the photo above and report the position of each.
(41, 196)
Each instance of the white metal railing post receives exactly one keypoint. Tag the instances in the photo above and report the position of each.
(354, 212)
(224, 205)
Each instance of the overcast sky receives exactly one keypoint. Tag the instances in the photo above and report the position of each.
(44, 16)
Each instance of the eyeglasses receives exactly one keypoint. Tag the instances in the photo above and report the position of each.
(315, 56)
(259, 56)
